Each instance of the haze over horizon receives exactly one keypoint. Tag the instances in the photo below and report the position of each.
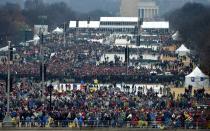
(112, 6)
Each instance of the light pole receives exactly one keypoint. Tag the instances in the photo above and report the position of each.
(8, 76)
(140, 22)
(42, 65)
(64, 34)
(88, 26)
(50, 89)
(77, 29)
(127, 56)
(42, 56)
(7, 119)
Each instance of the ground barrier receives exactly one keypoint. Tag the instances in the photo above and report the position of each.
(130, 125)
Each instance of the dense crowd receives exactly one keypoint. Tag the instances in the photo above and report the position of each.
(79, 59)
(105, 106)
(84, 55)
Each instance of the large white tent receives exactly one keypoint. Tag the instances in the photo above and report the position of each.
(36, 39)
(176, 36)
(121, 42)
(197, 79)
(58, 31)
(6, 48)
(182, 50)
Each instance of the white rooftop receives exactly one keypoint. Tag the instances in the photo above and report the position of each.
(6, 48)
(96, 24)
(58, 30)
(156, 25)
(121, 42)
(175, 36)
(36, 37)
(182, 48)
(196, 73)
(119, 19)
(84, 24)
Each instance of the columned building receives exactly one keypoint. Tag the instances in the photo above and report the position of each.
(146, 9)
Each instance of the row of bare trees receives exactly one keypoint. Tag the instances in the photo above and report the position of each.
(13, 18)
(193, 23)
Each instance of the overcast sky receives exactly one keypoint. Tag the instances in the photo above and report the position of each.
(113, 5)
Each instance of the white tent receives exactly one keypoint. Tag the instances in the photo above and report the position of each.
(24, 43)
(52, 54)
(58, 31)
(6, 49)
(176, 36)
(97, 40)
(182, 50)
(36, 39)
(197, 79)
(121, 42)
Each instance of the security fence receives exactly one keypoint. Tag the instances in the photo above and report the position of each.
(109, 124)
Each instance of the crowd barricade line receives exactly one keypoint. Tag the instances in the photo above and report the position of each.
(110, 124)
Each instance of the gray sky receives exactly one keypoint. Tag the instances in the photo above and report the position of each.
(113, 5)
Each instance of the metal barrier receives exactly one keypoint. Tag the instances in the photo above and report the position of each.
(111, 124)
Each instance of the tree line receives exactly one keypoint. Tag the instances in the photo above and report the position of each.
(14, 18)
(193, 23)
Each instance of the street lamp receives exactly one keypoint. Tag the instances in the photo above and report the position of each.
(64, 34)
(50, 89)
(7, 121)
(42, 54)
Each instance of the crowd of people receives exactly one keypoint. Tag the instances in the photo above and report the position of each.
(30, 106)
(79, 60)
(105, 107)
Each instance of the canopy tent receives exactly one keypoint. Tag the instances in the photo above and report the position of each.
(121, 42)
(36, 39)
(176, 36)
(52, 54)
(182, 50)
(156, 25)
(85, 24)
(58, 31)
(6, 48)
(197, 79)
(97, 40)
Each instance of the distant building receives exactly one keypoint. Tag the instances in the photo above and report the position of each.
(38, 29)
(146, 9)
(119, 24)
